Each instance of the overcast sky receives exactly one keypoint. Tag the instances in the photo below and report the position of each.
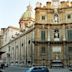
(12, 10)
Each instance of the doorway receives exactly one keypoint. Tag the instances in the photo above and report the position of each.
(56, 52)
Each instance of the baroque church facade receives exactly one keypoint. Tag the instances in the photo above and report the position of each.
(43, 39)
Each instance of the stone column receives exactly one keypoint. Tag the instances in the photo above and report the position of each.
(64, 33)
(48, 33)
(49, 54)
(65, 54)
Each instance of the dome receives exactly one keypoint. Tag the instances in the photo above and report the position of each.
(27, 14)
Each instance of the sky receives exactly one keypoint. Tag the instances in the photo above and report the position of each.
(12, 10)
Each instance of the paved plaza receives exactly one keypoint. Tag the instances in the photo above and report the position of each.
(22, 69)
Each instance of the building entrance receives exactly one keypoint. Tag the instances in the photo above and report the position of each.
(56, 52)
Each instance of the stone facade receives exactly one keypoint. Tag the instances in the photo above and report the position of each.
(53, 33)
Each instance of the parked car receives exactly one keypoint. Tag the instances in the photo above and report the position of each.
(6, 65)
(57, 64)
(70, 67)
(37, 69)
(1, 70)
(1, 64)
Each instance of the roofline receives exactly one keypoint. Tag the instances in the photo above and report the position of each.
(18, 37)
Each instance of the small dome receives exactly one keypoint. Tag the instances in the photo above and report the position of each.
(27, 14)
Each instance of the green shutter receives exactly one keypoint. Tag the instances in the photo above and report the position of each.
(42, 35)
(70, 35)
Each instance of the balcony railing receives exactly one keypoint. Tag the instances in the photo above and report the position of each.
(50, 42)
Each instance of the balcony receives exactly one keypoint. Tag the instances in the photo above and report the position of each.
(50, 42)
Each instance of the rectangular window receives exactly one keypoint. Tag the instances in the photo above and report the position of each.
(9, 48)
(70, 49)
(43, 50)
(69, 35)
(43, 17)
(69, 16)
(42, 35)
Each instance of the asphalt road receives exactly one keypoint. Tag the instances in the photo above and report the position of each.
(59, 70)
(14, 69)
(22, 69)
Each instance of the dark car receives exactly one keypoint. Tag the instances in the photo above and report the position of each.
(1, 70)
(70, 67)
(37, 69)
